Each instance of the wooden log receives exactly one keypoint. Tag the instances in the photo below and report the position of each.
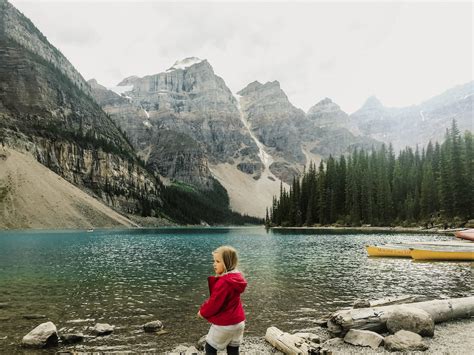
(387, 301)
(285, 342)
(375, 318)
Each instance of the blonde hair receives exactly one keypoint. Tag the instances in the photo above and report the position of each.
(229, 257)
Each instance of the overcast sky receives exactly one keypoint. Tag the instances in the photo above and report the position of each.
(403, 53)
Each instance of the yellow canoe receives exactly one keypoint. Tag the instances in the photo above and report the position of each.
(390, 251)
(422, 254)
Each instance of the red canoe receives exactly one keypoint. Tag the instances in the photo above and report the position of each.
(467, 234)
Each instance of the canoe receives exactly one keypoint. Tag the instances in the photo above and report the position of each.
(467, 234)
(453, 254)
(388, 250)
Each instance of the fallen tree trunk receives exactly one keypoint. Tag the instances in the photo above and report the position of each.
(375, 318)
(285, 342)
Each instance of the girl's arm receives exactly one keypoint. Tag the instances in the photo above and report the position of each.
(216, 301)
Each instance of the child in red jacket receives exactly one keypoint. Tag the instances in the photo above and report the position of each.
(223, 308)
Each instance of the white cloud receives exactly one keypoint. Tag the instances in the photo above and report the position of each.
(401, 52)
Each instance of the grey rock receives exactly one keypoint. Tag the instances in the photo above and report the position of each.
(72, 338)
(412, 319)
(363, 338)
(44, 335)
(153, 326)
(4, 305)
(102, 329)
(404, 340)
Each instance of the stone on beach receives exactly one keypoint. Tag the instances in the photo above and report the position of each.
(404, 340)
(363, 338)
(152, 327)
(412, 319)
(43, 335)
(103, 329)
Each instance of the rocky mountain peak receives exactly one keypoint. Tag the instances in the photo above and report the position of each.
(131, 80)
(324, 105)
(186, 63)
(372, 103)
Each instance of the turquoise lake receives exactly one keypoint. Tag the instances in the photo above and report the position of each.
(129, 277)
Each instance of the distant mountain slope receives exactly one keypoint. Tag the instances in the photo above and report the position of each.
(417, 124)
(32, 196)
(46, 108)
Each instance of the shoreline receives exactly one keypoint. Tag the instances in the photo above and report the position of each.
(376, 229)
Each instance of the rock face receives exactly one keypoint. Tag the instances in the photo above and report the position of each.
(181, 120)
(46, 109)
(43, 335)
(412, 319)
(292, 137)
(416, 124)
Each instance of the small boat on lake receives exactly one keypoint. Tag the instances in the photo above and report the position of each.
(389, 250)
(435, 250)
(467, 234)
(450, 254)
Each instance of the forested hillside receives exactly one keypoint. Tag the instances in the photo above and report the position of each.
(429, 185)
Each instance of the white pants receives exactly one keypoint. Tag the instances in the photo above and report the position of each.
(220, 336)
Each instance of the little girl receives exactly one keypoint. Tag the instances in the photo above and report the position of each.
(223, 308)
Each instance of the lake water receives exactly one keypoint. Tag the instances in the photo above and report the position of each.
(129, 277)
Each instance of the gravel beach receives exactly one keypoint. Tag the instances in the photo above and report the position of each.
(451, 338)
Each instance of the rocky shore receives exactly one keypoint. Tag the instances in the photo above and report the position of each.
(394, 324)
(398, 229)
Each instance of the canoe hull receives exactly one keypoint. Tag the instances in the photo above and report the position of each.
(442, 255)
(388, 252)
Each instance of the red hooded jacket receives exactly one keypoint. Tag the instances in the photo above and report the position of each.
(224, 307)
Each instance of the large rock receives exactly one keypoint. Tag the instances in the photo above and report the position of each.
(43, 335)
(412, 319)
(153, 326)
(103, 329)
(404, 340)
(363, 338)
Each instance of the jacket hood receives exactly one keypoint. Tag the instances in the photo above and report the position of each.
(236, 280)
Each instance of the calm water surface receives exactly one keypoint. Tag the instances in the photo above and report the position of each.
(129, 277)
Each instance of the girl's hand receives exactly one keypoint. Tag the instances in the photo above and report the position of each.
(199, 314)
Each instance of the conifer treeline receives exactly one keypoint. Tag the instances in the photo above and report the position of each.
(432, 186)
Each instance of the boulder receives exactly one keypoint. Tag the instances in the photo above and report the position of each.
(412, 319)
(43, 335)
(103, 329)
(363, 338)
(72, 338)
(152, 327)
(404, 340)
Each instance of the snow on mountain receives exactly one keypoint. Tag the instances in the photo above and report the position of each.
(185, 63)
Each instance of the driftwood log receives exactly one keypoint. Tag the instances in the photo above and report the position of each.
(287, 343)
(375, 318)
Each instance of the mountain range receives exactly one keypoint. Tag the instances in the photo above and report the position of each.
(137, 145)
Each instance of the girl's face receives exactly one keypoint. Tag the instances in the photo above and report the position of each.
(218, 264)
